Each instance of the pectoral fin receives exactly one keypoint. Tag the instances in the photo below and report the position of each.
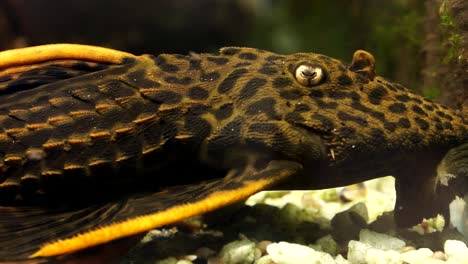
(422, 193)
(452, 172)
(34, 232)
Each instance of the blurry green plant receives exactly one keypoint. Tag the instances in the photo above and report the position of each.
(451, 40)
(431, 92)
(391, 30)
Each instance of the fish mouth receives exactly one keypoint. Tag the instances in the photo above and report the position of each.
(326, 137)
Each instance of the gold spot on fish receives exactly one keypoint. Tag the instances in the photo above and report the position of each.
(124, 130)
(150, 149)
(59, 120)
(13, 159)
(52, 144)
(73, 166)
(37, 126)
(37, 108)
(182, 137)
(35, 154)
(98, 162)
(79, 113)
(51, 172)
(332, 154)
(104, 107)
(15, 131)
(144, 119)
(77, 140)
(101, 134)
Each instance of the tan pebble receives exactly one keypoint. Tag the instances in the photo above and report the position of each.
(440, 255)
(352, 192)
(189, 257)
(262, 245)
(183, 261)
(205, 252)
(406, 249)
(311, 202)
(215, 260)
(258, 253)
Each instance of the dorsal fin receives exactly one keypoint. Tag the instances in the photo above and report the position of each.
(38, 54)
(28, 68)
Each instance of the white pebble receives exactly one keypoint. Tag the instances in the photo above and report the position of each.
(377, 256)
(380, 241)
(205, 252)
(432, 261)
(262, 245)
(340, 260)
(265, 260)
(238, 252)
(456, 250)
(288, 253)
(439, 255)
(357, 251)
(184, 261)
(413, 256)
(170, 260)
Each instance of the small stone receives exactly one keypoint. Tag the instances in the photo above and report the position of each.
(311, 202)
(184, 261)
(431, 261)
(238, 252)
(347, 224)
(170, 260)
(262, 245)
(456, 250)
(205, 252)
(215, 260)
(341, 260)
(377, 256)
(459, 214)
(265, 260)
(258, 253)
(357, 251)
(300, 222)
(330, 195)
(158, 233)
(189, 257)
(413, 256)
(431, 225)
(328, 245)
(292, 214)
(289, 253)
(439, 255)
(315, 247)
(352, 192)
(407, 249)
(380, 241)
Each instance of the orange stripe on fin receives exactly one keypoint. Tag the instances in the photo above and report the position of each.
(36, 54)
(147, 222)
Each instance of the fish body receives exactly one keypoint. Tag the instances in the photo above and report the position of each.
(98, 144)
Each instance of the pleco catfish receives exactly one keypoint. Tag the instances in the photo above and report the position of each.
(98, 144)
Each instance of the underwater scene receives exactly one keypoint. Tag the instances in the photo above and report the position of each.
(233, 131)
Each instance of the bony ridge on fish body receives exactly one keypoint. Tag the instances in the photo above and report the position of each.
(113, 144)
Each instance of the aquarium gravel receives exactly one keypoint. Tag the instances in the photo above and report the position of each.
(341, 225)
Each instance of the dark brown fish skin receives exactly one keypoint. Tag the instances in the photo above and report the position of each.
(75, 133)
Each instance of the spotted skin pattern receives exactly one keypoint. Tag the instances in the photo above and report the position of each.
(78, 131)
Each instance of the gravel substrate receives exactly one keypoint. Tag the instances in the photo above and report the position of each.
(341, 225)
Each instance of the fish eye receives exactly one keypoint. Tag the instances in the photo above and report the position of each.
(309, 75)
